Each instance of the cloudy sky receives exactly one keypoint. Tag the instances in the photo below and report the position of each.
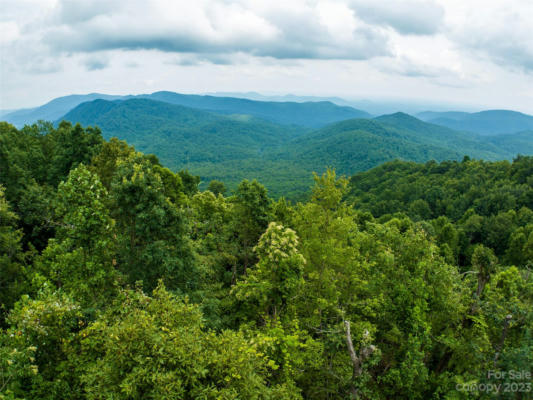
(471, 52)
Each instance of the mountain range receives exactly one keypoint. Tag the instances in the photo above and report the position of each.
(308, 114)
(490, 122)
(281, 143)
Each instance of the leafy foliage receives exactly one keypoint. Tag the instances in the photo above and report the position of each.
(122, 279)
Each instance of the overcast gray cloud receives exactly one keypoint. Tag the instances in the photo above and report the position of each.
(212, 27)
(95, 63)
(444, 49)
(416, 17)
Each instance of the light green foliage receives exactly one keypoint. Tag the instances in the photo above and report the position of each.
(273, 284)
(42, 328)
(16, 365)
(157, 348)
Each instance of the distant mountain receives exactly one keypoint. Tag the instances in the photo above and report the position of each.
(490, 122)
(53, 109)
(359, 144)
(282, 98)
(5, 112)
(308, 114)
(237, 146)
(180, 135)
(376, 106)
(431, 115)
(436, 135)
(514, 143)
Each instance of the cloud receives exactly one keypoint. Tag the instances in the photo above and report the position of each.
(416, 17)
(193, 59)
(43, 65)
(407, 67)
(500, 34)
(300, 30)
(95, 63)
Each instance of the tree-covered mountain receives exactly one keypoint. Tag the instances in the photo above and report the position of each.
(181, 135)
(489, 122)
(308, 114)
(514, 143)
(360, 144)
(52, 110)
(486, 200)
(234, 147)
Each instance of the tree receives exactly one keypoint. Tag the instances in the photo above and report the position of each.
(150, 229)
(71, 146)
(12, 273)
(156, 347)
(217, 187)
(251, 215)
(272, 285)
(42, 329)
(484, 262)
(105, 162)
(190, 182)
(81, 257)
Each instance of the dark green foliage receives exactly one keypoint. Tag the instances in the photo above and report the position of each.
(217, 187)
(488, 203)
(12, 276)
(150, 228)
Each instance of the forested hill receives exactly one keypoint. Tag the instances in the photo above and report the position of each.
(237, 146)
(359, 144)
(53, 109)
(182, 135)
(490, 122)
(120, 279)
(308, 114)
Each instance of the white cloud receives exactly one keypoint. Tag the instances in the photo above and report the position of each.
(499, 32)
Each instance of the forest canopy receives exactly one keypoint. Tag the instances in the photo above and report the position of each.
(120, 279)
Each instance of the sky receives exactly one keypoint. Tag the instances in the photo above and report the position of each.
(472, 53)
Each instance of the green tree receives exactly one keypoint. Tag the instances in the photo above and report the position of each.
(272, 285)
(157, 348)
(217, 187)
(150, 229)
(12, 273)
(251, 214)
(42, 329)
(81, 257)
(105, 162)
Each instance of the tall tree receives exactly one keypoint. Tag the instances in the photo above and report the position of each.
(12, 274)
(81, 257)
(150, 229)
